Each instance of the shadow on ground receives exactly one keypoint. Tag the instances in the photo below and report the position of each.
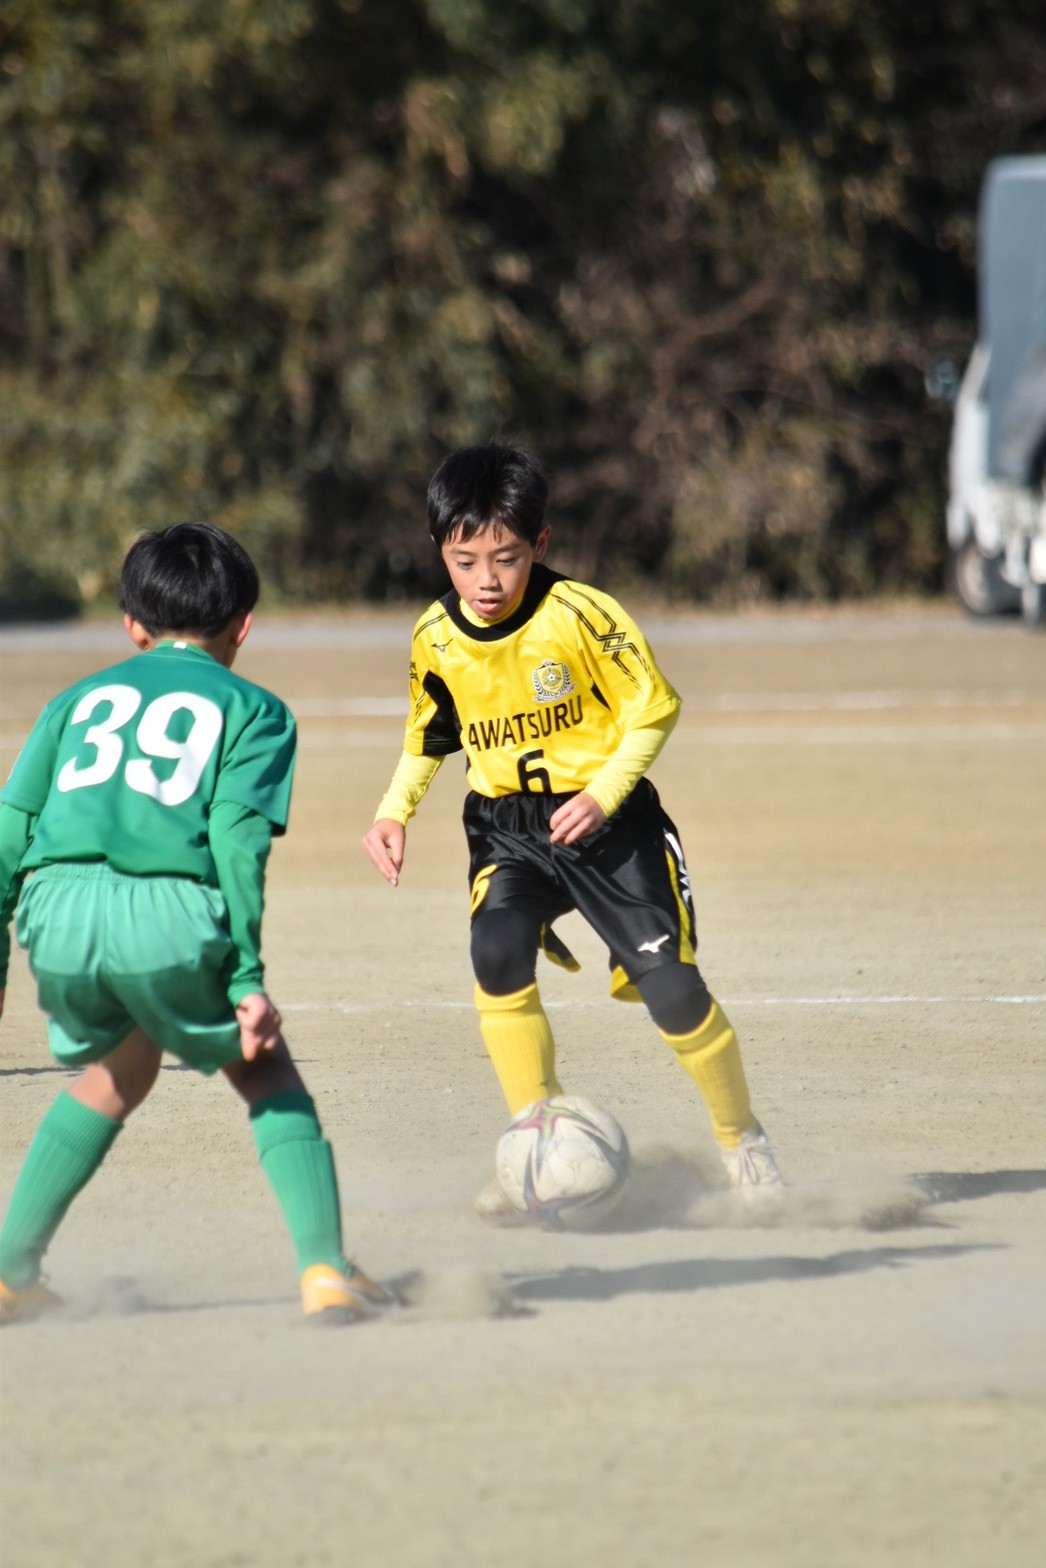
(591, 1284)
(958, 1186)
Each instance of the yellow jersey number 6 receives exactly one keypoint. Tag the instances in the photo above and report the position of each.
(533, 781)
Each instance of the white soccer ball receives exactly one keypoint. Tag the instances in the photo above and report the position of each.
(563, 1162)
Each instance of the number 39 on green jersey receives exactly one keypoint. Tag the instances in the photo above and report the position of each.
(153, 734)
(126, 765)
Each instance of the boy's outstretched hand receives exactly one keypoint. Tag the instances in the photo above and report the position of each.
(576, 818)
(385, 843)
(259, 1021)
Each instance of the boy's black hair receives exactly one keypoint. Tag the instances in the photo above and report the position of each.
(487, 484)
(191, 577)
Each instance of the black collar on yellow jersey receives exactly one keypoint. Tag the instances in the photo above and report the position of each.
(542, 578)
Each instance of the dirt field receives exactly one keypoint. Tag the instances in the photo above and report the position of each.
(862, 799)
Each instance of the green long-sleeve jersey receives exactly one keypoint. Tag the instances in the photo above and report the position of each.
(164, 764)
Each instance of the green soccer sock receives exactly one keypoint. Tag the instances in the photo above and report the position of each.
(299, 1164)
(70, 1144)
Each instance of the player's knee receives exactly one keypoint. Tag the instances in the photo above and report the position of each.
(504, 949)
(676, 997)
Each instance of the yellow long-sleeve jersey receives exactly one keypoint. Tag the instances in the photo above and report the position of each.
(540, 700)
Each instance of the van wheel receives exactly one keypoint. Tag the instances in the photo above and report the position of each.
(979, 584)
(1033, 604)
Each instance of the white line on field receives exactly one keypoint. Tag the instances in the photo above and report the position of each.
(875, 701)
(889, 1001)
(395, 706)
(348, 707)
(859, 701)
(900, 1000)
(870, 734)
(392, 630)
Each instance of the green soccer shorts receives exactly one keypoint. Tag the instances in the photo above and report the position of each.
(111, 953)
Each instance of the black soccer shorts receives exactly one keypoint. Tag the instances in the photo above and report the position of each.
(628, 880)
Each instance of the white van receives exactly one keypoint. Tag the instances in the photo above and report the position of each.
(997, 458)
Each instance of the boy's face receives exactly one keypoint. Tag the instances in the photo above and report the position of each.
(491, 570)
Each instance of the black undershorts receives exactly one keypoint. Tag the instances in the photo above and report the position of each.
(628, 879)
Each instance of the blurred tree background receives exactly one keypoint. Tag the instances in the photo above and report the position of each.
(265, 261)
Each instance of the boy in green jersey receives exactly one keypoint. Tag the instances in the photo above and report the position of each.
(135, 828)
(553, 693)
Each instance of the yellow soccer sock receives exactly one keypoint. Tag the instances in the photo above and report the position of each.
(712, 1057)
(519, 1043)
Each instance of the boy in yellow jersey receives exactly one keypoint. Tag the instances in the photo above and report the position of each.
(554, 695)
(134, 834)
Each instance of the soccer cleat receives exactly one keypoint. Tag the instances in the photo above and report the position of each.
(333, 1296)
(493, 1206)
(751, 1166)
(28, 1302)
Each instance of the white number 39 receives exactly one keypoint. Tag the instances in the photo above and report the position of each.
(190, 755)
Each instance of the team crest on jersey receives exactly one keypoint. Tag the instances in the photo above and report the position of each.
(552, 680)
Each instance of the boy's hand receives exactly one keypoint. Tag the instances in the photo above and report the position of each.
(576, 818)
(3, 993)
(385, 843)
(259, 1022)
